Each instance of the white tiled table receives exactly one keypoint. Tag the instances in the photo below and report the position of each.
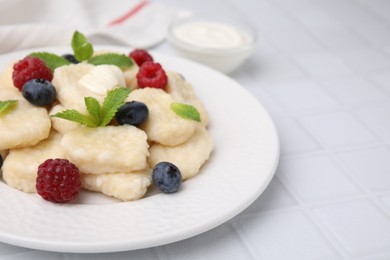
(322, 69)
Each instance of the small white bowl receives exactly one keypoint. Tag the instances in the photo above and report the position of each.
(222, 45)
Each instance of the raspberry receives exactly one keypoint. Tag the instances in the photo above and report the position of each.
(58, 180)
(30, 68)
(151, 75)
(140, 56)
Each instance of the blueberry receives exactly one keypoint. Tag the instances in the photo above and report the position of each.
(39, 92)
(132, 113)
(166, 177)
(71, 58)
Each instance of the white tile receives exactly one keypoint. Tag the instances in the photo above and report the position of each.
(273, 67)
(290, 235)
(338, 38)
(272, 106)
(294, 40)
(360, 226)
(34, 255)
(303, 96)
(135, 254)
(220, 243)
(290, 6)
(322, 64)
(350, 13)
(377, 35)
(265, 15)
(313, 16)
(338, 129)
(275, 196)
(387, 50)
(316, 178)
(355, 91)
(293, 138)
(381, 7)
(377, 119)
(376, 257)
(383, 80)
(367, 60)
(370, 167)
(265, 45)
(6, 249)
(386, 201)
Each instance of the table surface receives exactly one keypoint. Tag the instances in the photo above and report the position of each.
(322, 70)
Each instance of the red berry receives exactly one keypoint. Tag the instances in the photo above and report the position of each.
(58, 180)
(30, 68)
(140, 56)
(151, 75)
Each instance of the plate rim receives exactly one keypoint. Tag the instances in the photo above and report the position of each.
(93, 247)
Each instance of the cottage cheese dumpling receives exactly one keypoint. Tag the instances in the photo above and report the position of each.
(123, 186)
(109, 149)
(21, 165)
(188, 157)
(6, 80)
(182, 91)
(23, 125)
(61, 125)
(69, 92)
(131, 76)
(3, 153)
(77, 81)
(163, 125)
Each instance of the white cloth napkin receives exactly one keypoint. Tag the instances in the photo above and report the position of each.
(36, 23)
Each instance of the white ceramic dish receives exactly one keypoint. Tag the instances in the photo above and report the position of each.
(242, 164)
(222, 58)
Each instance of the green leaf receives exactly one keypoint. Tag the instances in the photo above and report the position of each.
(186, 111)
(98, 116)
(93, 108)
(51, 60)
(5, 105)
(114, 99)
(120, 60)
(76, 116)
(82, 49)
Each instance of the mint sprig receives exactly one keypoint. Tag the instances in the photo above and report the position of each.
(82, 49)
(97, 115)
(5, 105)
(51, 60)
(186, 111)
(120, 60)
(76, 116)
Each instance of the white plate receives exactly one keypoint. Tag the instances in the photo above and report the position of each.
(241, 166)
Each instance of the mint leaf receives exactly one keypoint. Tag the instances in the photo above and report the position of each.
(113, 101)
(4, 105)
(93, 108)
(76, 116)
(120, 60)
(98, 116)
(51, 60)
(186, 111)
(82, 49)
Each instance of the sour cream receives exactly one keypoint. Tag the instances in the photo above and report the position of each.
(222, 46)
(211, 35)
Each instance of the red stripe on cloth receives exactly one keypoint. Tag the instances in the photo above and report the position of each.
(130, 13)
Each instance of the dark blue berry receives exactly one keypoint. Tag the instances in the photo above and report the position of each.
(1, 161)
(166, 177)
(71, 58)
(39, 92)
(132, 113)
